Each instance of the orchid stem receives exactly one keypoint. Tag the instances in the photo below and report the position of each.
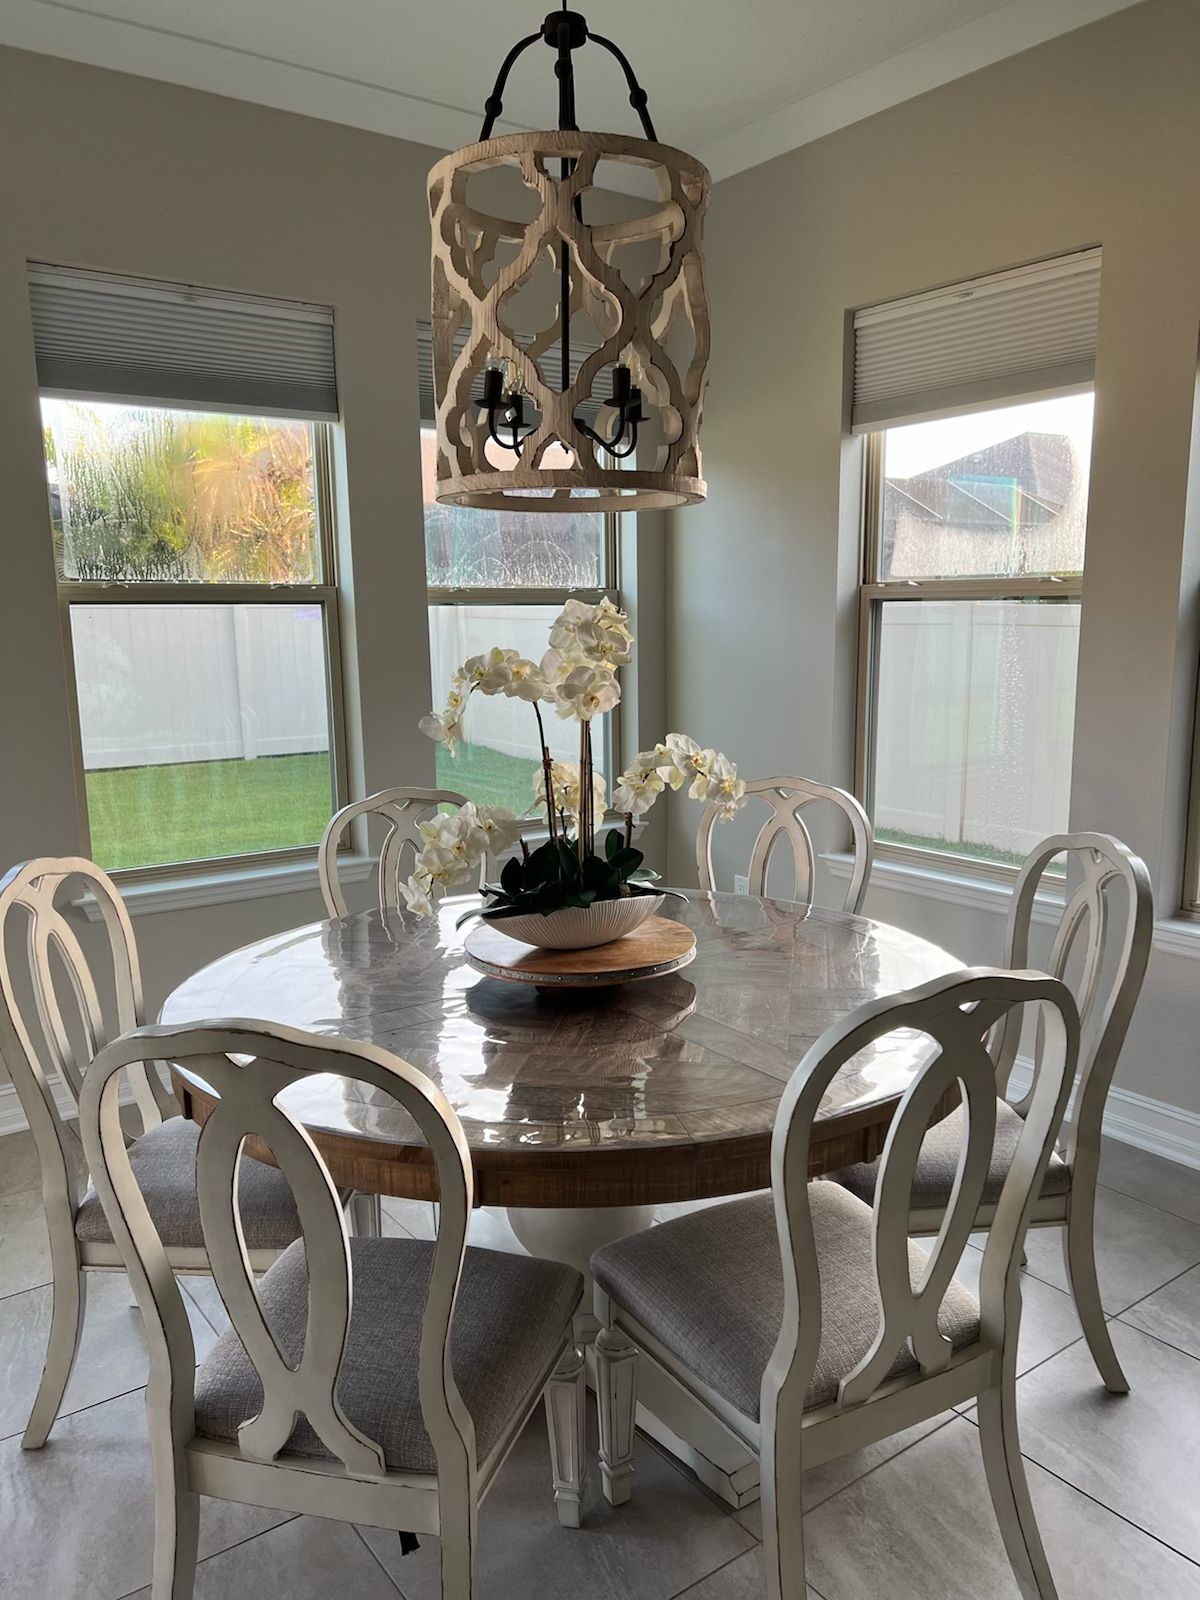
(547, 771)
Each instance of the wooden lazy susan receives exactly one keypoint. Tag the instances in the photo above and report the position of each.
(659, 946)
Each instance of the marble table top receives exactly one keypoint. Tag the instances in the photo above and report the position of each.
(659, 1090)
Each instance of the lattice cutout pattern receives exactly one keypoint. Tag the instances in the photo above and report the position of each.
(642, 324)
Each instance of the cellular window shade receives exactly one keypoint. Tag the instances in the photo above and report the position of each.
(148, 343)
(548, 364)
(1007, 337)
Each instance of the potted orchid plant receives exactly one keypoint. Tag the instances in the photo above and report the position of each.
(564, 893)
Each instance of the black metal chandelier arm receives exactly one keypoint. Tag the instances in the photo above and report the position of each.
(612, 446)
(494, 104)
(638, 98)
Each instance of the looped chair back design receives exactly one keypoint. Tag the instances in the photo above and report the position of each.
(956, 1014)
(787, 799)
(35, 1038)
(249, 1065)
(402, 810)
(1108, 925)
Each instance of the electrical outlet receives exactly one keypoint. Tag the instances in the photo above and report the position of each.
(741, 885)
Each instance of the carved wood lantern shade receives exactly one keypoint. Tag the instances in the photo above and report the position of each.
(570, 333)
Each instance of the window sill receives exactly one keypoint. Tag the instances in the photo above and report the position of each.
(1177, 936)
(978, 892)
(181, 890)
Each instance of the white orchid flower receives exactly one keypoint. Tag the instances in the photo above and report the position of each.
(564, 785)
(416, 898)
(444, 727)
(586, 692)
(637, 790)
(598, 634)
(527, 681)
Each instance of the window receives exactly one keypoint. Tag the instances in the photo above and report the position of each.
(500, 578)
(196, 586)
(970, 627)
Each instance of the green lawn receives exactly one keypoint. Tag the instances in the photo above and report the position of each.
(488, 777)
(972, 852)
(192, 811)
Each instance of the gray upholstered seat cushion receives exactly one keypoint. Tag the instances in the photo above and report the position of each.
(938, 1163)
(709, 1287)
(509, 1323)
(164, 1163)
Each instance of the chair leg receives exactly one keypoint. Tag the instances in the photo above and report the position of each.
(1079, 1254)
(366, 1216)
(176, 1540)
(66, 1327)
(566, 1423)
(1000, 1443)
(782, 1521)
(616, 1402)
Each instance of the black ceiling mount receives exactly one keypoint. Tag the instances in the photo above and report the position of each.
(565, 31)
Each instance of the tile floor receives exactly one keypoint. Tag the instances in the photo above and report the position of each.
(1114, 1480)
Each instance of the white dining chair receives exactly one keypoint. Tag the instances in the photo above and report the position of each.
(804, 1320)
(43, 965)
(787, 799)
(401, 810)
(1112, 908)
(376, 1381)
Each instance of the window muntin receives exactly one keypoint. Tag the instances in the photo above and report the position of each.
(970, 626)
(199, 614)
(500, 578)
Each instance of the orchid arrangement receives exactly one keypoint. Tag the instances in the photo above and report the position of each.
(577, 680)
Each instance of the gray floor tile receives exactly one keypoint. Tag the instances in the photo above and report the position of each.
(1048, 1319)
(112, 1353)
(741, 1580)
(669, 1536)
(1138, 1249)
(1168, 1184)
(922, 1528)
(76, 1518)
(309, 1558)
(20, 1168)
(820, 1483)
(24, 1246)
(1137, 1454)
(1172, 1313)
(203, 1293)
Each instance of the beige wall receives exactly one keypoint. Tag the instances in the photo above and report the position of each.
(1092, 139)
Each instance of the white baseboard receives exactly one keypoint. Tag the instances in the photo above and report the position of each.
(1136, 1119)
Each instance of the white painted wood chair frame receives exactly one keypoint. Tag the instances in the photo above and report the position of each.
(787, 799)
(402, 810)
(956, 1012)
(1109, 983)
(36, 1047)
(249, 1064)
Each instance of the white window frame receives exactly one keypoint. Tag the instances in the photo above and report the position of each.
(491, 596)
(323, 595)
(874, 591)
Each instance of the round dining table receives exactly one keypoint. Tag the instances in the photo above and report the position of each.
(586, 1110)
(632, 1096)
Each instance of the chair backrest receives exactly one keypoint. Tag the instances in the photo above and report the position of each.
(250, 1064)
(787, 798)
(402, 810)
(1107, 926)
(956, 1013)
(37, 1043)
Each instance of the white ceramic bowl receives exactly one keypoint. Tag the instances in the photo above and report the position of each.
(580, 927)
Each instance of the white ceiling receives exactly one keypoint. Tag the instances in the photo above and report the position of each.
(735, 83)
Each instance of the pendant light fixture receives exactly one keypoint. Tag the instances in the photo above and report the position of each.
(570, 325)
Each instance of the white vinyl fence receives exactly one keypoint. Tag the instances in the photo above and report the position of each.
(162, 684)
(975, 717)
